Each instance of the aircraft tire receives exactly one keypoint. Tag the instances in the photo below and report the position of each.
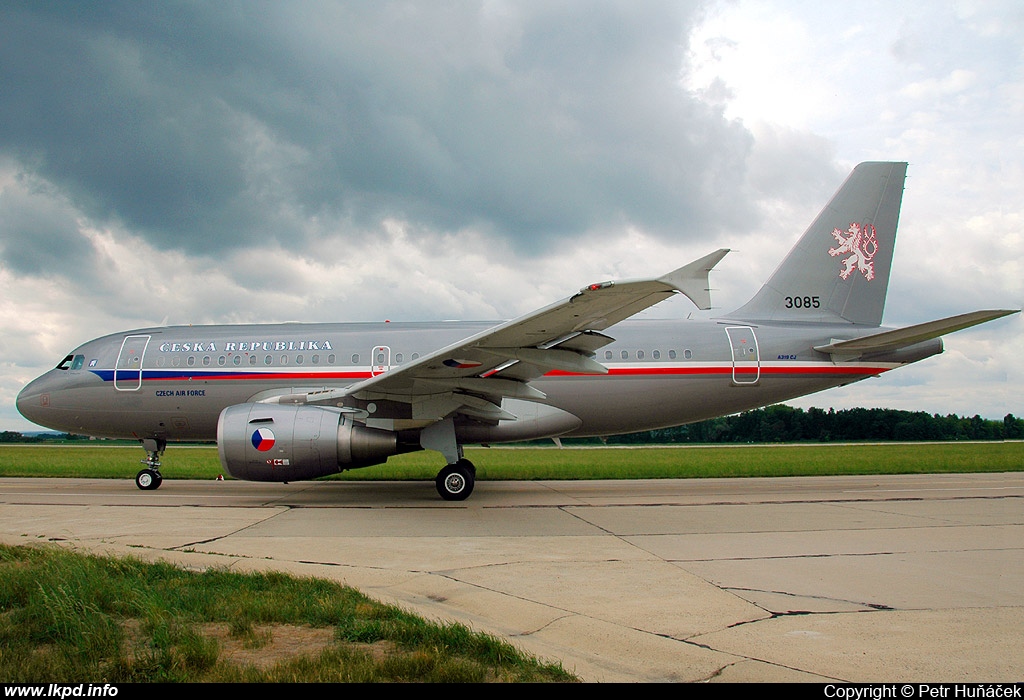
(148, 479)
(455, 482)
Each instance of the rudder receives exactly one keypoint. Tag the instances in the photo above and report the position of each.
(839, 269)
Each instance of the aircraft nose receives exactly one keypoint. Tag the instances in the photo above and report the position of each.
(34, 400)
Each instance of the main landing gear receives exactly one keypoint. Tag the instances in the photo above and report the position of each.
(149, 479)
(455, 482)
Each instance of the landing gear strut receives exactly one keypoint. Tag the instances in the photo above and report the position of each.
(150, 478)
(455, 482)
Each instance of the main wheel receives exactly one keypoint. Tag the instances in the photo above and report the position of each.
(455, 482)
(148, 479)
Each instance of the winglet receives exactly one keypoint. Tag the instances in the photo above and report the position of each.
(692, 280)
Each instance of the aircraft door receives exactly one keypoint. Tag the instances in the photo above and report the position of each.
(746, 361)
(128, 368)
(380, 360)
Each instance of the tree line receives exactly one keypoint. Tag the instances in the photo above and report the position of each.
(781, 423)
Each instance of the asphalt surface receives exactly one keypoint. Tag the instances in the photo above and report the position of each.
(859, 579)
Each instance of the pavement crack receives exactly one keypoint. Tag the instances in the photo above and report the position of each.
(267, 518)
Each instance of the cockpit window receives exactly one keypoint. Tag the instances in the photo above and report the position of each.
(72, 362)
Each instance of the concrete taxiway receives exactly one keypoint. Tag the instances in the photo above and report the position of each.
(861, 579)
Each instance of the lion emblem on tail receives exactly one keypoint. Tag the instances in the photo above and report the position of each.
(862, 245)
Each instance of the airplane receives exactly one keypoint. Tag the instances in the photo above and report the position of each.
(289, 402)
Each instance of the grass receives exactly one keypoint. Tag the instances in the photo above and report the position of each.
(66, 617)
(100, 461)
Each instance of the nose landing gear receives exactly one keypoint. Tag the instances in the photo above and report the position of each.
(149, 479)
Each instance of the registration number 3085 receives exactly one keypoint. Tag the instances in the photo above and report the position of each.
(804, 302)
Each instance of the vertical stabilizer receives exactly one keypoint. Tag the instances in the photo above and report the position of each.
(839, 269)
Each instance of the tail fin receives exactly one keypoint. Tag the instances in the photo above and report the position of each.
(839, 269)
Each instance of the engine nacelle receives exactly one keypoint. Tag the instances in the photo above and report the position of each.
(274, 442)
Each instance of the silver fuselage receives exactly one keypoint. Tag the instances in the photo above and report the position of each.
(172, 383)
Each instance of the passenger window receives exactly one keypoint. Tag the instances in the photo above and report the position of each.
(330, 359)
(607, 354)
(298, 359)
(316, 359)
(252, 359)
(625, 355)
(671, 354)
(191, 361)
(268, 360)
(355, 359)
(398, 358)
(656, 354)
(237, 360)
(639, 354)
(206, 361)
(687, 354)
(222, 360)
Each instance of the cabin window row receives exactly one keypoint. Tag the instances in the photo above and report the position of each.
(255, 360)
(251, 360)
(642, 355)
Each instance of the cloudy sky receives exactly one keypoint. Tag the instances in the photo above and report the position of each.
(224, 162)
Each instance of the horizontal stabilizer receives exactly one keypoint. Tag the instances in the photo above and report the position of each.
(900, 338)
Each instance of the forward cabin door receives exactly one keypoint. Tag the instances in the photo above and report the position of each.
(128, 368)
(746, 360)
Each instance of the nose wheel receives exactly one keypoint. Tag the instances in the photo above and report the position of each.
(149, 479)
(455, 482)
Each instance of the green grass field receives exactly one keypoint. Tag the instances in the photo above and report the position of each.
(181, 462)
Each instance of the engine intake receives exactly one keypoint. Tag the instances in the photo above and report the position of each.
(274, 442)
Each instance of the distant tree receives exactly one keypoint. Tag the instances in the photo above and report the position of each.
(1013, 428)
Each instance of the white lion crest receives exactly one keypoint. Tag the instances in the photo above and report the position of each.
(861, 242)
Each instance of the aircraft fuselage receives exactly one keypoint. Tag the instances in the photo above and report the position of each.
(172, 383)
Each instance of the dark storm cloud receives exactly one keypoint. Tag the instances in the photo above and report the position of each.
(40, 235)
(209, 126)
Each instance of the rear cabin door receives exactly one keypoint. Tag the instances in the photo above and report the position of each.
(746, 361)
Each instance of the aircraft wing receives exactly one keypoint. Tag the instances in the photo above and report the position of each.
(472, 376)
(892, 340)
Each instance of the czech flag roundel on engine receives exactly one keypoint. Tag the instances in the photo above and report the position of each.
(263, 439)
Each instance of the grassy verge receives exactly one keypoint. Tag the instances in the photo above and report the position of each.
(66, 617)
(570, 463)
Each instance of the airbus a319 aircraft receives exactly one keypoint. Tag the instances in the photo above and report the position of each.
(301, 401)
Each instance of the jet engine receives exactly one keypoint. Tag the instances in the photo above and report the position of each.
(274, 442)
